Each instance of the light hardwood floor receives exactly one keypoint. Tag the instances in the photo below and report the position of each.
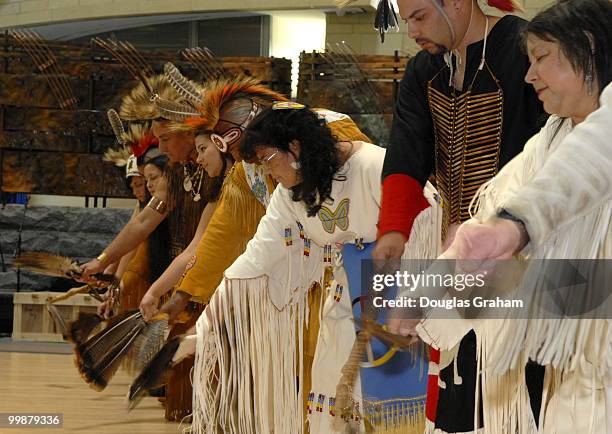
(49, 383)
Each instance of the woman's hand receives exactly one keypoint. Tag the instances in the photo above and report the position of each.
(148, 306)
(477, 245)
(92, 267)
(403, 327)
(104, 309)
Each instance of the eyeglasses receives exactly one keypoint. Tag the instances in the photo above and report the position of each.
(265, 163)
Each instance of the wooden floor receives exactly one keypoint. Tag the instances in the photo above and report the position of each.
(49, 383)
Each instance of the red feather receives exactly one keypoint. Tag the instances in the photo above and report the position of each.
(146, 141)
(503, 5)
(195, 122)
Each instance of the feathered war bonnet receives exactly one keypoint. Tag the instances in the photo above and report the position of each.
(225, 107)
(386, 15)
(136, 142)
(154, 98)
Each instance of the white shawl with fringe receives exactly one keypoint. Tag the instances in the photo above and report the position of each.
(562, 190)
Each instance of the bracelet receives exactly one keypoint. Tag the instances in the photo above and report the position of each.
(158, 205)
(503, 214)
(102, 257)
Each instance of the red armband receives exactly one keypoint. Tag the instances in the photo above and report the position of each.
(402, 201)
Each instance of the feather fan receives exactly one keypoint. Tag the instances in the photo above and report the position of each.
(146, 346)
(48, 264)
(98, 358)
(58, 319)
(61, 266)
(154, 373)
(79, 330)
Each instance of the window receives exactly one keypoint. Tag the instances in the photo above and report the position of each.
(240, 36)
(227, 36)
(169, 36)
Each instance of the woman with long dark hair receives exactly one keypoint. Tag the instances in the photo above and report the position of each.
(255, 327)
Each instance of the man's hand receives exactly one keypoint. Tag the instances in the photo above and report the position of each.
(148, 306)
(389, 246)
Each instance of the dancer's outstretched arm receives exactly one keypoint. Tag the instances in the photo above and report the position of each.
(135, 232)
(176, 269)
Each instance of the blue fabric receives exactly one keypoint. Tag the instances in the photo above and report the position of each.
(405, 374)
(18, 198)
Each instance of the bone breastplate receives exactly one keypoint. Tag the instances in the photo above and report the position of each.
(468, 137)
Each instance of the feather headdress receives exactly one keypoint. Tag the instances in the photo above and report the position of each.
(224, 106)
(118, 156)
(140, 138)
(136, 142)
(216, 96)
(140, 103)
(117, 125)
(184, 87)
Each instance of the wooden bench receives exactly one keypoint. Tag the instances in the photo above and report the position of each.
(32, 321)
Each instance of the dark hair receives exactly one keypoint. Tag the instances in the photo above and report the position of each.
(583, 29)
(319, 162)
(211, 187)
(158, 248)
(128, 183)
(161, 162)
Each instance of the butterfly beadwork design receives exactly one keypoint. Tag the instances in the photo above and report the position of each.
(330, 219)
